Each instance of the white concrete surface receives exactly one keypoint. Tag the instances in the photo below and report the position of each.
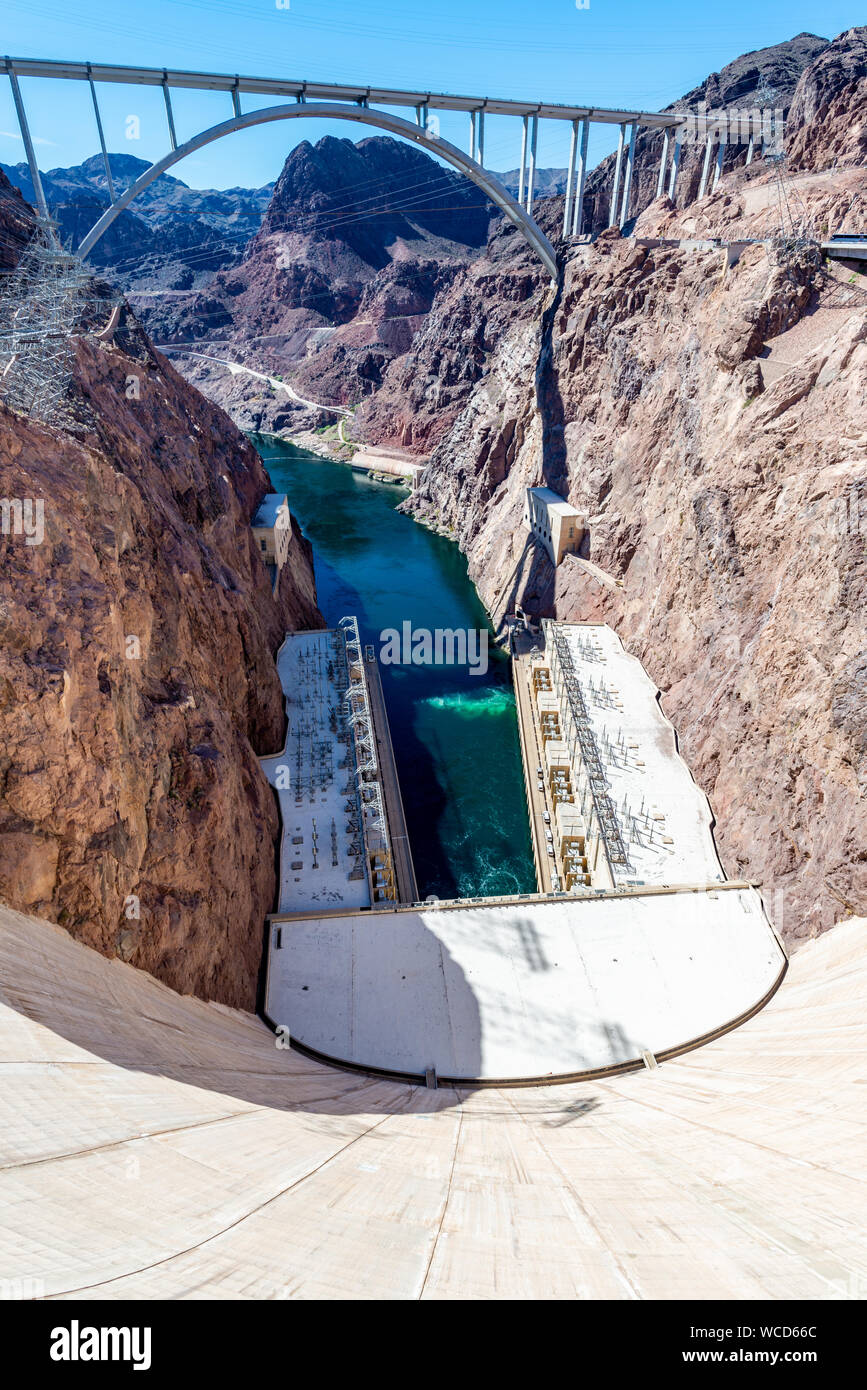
(153, 1146)
(312, 788)
(665, 818)
(524, 990)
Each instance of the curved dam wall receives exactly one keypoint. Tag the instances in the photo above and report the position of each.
(524, 991)
(155, 1146)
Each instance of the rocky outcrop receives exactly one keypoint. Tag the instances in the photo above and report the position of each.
(424, 391)
(137, 676)
(827, 124)
(768, 77)
(356, 243)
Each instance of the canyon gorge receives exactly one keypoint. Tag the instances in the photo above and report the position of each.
(705, 412)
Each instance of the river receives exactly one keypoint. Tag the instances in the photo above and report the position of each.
(455, 733)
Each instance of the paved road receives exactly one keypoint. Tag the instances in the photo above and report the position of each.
(278, 385)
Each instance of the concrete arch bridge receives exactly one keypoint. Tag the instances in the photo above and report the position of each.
(371, 107)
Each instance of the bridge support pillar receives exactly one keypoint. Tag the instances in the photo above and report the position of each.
(522, 177)
(99, 129)
(704, 168)
(570, 180)
(477, 136)
(627, 182)
(615, 193)
(750, 149)
(531, 173)
(35, 178)
(578, 210)
(660, 182)
(720, 156)
(675, 165)
(236, 97)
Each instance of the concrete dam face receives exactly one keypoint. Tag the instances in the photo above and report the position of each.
(155, 1146)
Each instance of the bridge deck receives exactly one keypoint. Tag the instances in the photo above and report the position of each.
(331, 91)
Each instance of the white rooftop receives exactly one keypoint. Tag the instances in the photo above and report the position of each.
(527, 989)
(554, 501)
(269, 510)
(317, 795)
(665, 818)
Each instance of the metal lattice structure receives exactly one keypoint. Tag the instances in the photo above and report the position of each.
(41, 305)
(576, 708)
(360, 721)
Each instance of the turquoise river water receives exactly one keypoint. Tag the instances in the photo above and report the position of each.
(455, 734)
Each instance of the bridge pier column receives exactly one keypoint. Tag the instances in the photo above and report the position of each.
(522, 178)
(477, 136)
(720, 156)
(749, 159)
(169, 116)
(236, 96)
(627, 182)
(615, 193)
(578, 211)
(570, 179)
(675, 165)
(531, 173)
(660, 182)
(704, 168)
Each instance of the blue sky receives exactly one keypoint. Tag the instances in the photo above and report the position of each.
(614, 53)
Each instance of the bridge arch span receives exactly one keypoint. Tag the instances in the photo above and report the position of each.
(383, 120)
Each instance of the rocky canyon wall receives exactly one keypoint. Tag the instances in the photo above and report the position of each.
(711, 422)
(137, 679)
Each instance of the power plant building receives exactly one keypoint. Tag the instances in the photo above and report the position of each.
(554, 522)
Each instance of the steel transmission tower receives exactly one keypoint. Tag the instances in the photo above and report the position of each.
(41, 306)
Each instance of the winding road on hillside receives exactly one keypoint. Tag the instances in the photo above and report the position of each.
(236, 367)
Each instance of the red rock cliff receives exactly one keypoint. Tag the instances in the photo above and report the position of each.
(137, 680)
